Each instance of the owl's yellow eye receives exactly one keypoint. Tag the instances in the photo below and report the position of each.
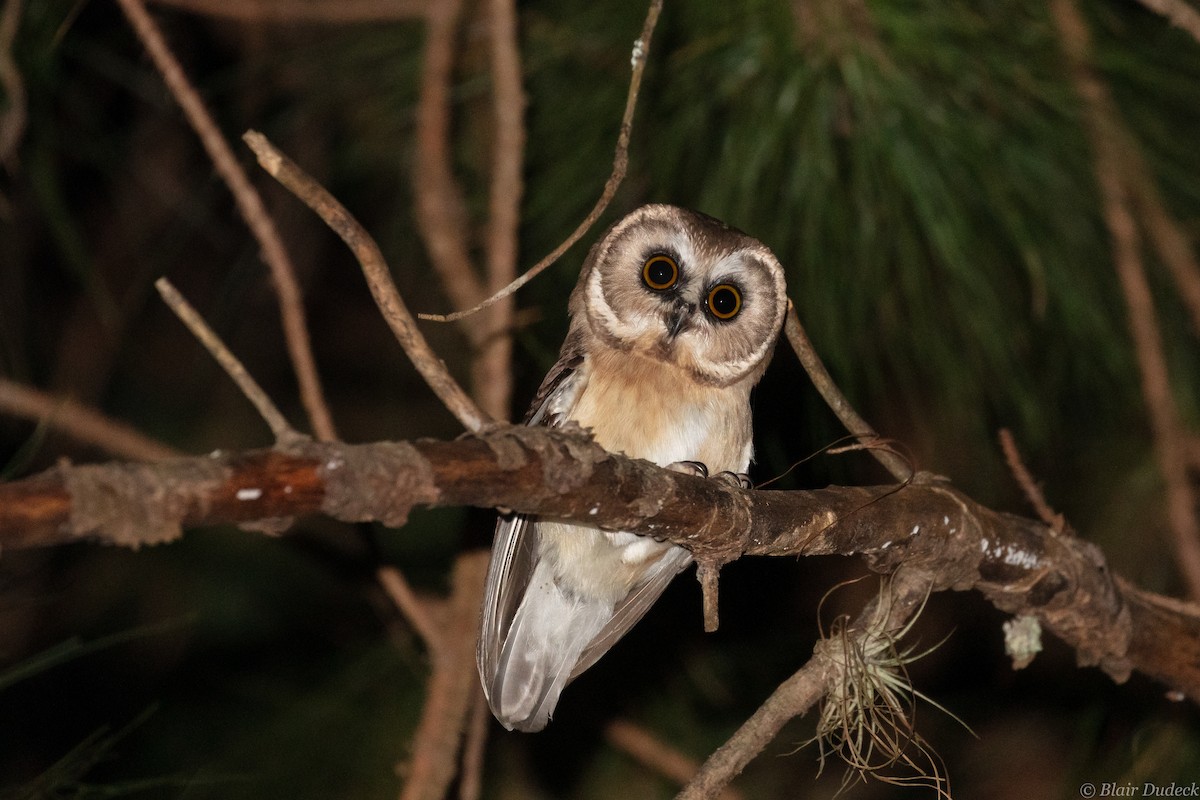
(724, 301)
(660, 272)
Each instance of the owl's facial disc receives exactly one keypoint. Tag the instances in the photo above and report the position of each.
(684, 290)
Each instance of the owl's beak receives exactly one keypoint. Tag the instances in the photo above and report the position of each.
(678, 319)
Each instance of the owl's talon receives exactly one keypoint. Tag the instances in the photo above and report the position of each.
(739, 480)
(697, 469)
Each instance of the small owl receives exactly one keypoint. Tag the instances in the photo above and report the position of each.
(672, 323)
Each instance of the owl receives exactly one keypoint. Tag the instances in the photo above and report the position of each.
(673, 321)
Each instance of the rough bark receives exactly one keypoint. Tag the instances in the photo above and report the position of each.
(1019, 564)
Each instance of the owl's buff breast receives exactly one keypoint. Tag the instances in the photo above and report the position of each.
(652, 410)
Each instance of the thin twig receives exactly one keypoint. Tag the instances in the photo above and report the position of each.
(708, 574)
(379, 279)
(14, 118)
(794, 696)
(442, 221)
(441, 209)
(801, 691)
(415, 610)
(1107, 140)
(437, 622)
(620, 164)
(250, 204)
(82, 423)
(233, 367)
(1192, 447)
(1033, 492)
(1179, 13)
(470, 784)
(1165, 232)
(655, 754)
(491, 367)
(440, 745)
(453, 686)
(508, 109)
(837, 402)
(315, 11)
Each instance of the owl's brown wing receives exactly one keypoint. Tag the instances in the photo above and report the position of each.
(560, 387)
(514, 545)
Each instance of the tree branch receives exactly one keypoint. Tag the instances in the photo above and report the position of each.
(276, 421)
(855, 425)
(379, 280)
(887, 613)
(620, 165)
(253, 211)
(1165, 232)
(81, 422)
(491, 368)
(15, 117)
(441, 209)
(470, 784)
(1109, 144)
(1018, 564)
(656, 754)
(313, 11)
(1178, 13)
(453, 686)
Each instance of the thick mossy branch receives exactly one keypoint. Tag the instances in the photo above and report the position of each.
(1020, 565)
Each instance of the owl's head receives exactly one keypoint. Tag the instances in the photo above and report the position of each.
(683, 288)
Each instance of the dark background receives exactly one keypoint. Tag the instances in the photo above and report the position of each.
(922, 170)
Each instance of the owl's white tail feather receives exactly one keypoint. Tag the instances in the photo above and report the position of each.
(550, 630)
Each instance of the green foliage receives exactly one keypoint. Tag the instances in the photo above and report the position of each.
(928, 187)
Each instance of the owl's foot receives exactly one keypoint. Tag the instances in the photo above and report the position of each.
(739, 480)
(698, 469)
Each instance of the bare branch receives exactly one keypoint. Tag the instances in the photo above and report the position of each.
(391, 304)
(708, 574)
(81, 422)
(620, 164)
(312, 11)
(453, 688)
(14, 118)
(793, 697)
(1107, 140)
(1019, 565)
(416, 610)
(888, 612)
(1164, 231)
(470, 785)
(250, 204)
(452, 684)
(837, 402)
(491, 369)
(1033, 492)
(233, 367)
(441, 209)
(1179, 13)
(508, 108)
(656, 754)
